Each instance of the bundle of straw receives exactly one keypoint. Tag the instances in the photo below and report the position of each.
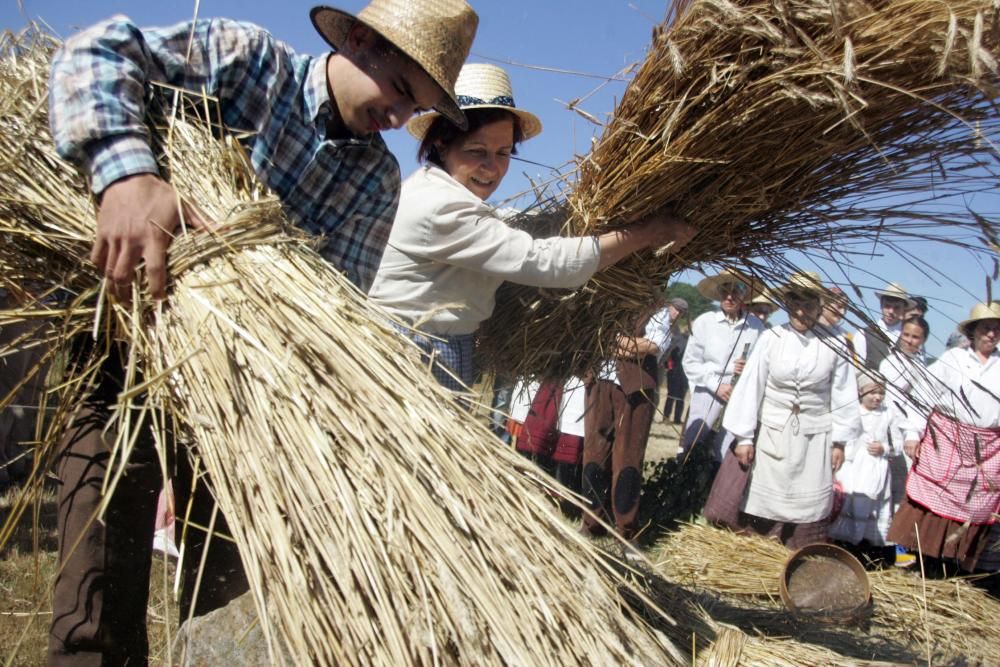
(932, 618)
(817, 125)
(377, 521)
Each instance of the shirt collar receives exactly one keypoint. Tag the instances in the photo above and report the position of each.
(316, 92)
(319, 106)
(721, 317)
(974, 357)
(806, 335)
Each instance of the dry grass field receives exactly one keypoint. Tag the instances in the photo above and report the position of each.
(27, 569)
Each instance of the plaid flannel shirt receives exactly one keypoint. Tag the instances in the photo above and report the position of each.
(344, 190)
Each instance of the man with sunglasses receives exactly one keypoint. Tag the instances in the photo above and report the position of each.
(715, 356)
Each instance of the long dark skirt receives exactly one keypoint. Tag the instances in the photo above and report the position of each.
(728, 490)
(792, 535)
(938, 537)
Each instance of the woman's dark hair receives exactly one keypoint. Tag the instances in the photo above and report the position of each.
(920, 322)
(443, 132)
(969, 328)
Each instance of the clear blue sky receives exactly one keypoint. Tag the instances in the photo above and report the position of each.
(598, 38)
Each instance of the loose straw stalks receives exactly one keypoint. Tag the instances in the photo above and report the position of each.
(772, 125)
(378, 522)
(738, 566)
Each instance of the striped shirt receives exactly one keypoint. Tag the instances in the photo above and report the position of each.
(276, 101)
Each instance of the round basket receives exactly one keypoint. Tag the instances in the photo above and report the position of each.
(825, 583)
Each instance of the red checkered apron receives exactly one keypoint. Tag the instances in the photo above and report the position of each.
(957, 474)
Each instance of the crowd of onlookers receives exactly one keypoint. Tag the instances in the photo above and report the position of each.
(819, 432)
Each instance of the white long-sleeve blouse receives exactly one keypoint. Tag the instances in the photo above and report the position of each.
(960, 385)
(449, 251)
(787, 369)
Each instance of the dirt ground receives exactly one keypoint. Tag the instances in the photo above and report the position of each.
(664, 437)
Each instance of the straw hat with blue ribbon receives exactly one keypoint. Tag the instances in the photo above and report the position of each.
(481, 86)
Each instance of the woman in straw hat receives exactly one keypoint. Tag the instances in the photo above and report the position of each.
(310, 127)
(953, 490)
(449, 250)
(802, 392)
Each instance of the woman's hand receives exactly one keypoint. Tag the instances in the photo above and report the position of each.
(665, 227)
(744, 454)
(657, 230)
(912, 448)
(837, 456)
(876, 448)
(724, 392)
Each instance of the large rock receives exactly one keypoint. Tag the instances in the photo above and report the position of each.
(225, 637)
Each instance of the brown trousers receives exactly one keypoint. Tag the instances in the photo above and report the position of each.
(102, 587)
(616, 428)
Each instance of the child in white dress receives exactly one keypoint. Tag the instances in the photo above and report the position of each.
(863, 522)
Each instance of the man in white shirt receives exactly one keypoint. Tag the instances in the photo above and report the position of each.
(874, 343)
(619, 412)
(717, 349)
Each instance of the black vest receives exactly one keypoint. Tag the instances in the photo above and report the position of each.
(878, 347)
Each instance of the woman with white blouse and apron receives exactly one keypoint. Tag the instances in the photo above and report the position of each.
(803, 393)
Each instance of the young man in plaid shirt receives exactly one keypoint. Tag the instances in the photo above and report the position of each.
(311, 129)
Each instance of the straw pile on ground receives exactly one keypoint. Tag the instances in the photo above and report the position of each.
(378, 522)
(721, 631)
(732, 647)
(939, 621)
(818, 125)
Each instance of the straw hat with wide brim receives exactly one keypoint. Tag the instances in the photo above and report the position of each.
(436, 34)
(710, 287)
(764, 297)
(896, 291)
(979, 312)
(804, 282)
(481, 86)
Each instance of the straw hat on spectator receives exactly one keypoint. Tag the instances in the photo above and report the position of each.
(895, 291)
(764, 298)
(804, 282)
(979, 312)
(711, 287)
(481, 86)
(435, 34)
